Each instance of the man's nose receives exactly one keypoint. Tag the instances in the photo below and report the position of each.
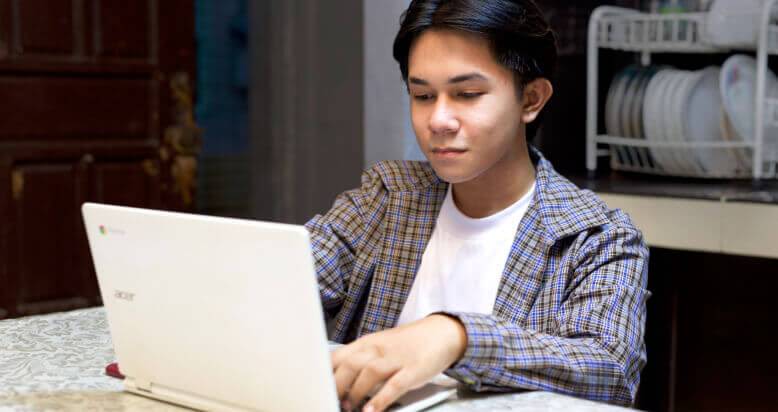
(443, 119)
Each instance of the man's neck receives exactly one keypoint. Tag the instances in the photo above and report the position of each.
(498, 188)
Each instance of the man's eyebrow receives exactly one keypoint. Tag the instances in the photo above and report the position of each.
(456, 79)
(465, 77)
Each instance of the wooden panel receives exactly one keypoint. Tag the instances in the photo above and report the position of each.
(69, 107)
(5, 29)
(32, 151)
(657, 381)
(726, 340)
(41, 66)
(673, 223)
(7, 287)
(126, 183)
(48, 274)
(709, 333)
(176, 40)
(44, 27)
(125, 29)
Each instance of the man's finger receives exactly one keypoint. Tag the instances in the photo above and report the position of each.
(343, 352)
(378, 371)
(348, 370)
(392, 390)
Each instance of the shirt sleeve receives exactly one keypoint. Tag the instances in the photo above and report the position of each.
(597, 347)
(338, 236)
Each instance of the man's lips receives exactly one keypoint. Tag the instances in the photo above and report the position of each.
(448, 153)
(447, 150)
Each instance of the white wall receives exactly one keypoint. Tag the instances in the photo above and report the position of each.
(388, 132)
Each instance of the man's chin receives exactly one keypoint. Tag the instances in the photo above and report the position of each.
(450, 171)
(449, 176)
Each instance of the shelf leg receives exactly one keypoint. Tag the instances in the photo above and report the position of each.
(757, 184)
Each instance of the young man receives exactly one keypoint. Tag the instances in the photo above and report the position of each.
(482, 263)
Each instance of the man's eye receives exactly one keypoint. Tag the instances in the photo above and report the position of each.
(470, 95)
(422, 97)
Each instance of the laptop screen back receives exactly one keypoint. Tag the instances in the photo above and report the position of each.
(223, 309)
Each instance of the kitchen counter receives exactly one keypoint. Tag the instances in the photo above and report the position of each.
(717, 216)
(633, 184)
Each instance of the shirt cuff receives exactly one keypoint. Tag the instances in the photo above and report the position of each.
(483, 351)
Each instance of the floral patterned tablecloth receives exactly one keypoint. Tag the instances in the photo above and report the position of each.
(57, 362)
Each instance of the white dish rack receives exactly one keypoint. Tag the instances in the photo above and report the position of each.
(645, 33)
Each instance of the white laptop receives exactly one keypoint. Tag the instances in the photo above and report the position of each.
(217, 313)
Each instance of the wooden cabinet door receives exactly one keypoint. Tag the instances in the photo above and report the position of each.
(95, 104)
(133, 182)
(45, 270)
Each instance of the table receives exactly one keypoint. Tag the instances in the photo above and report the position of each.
(57, 361)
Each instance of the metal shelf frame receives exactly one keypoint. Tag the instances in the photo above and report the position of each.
(630, 30)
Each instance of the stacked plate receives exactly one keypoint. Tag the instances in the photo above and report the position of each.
(624, 110)
(738, 86)
(662, 104)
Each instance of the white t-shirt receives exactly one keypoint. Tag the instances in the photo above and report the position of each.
(462, 265)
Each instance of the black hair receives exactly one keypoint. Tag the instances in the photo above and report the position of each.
(520, 36)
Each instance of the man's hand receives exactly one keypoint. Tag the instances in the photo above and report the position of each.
(401, 359)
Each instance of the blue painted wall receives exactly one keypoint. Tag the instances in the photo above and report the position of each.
(221, 108)
(222, 76)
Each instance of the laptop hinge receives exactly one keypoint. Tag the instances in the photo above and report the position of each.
(143, 385)
(138, 384)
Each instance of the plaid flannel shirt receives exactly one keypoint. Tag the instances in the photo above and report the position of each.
(569, 316)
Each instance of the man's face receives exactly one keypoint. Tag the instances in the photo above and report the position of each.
(464, 106)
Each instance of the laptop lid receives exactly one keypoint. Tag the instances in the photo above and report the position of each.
(212, 312)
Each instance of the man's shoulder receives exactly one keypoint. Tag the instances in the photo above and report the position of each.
(571, 210)
(401, 175)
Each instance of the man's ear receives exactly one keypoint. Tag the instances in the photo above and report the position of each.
(534, 97)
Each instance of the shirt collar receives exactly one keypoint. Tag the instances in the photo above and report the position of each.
(564, 208)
